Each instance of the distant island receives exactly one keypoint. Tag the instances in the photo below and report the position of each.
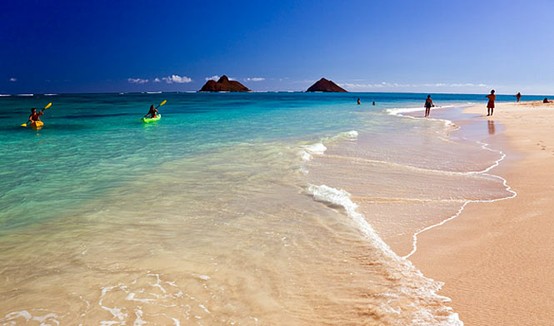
(325, 85)
(224, 85)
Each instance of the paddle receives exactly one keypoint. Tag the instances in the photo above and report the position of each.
(163, 103)
(45, 108)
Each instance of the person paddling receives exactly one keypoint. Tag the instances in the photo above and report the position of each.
(35, 116)
(153, 112)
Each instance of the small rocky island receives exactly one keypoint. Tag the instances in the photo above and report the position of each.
(325, 85)
(223, 85)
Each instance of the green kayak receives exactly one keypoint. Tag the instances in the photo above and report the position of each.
(148, 120)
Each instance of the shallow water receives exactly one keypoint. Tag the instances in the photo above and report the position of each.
(234, 208)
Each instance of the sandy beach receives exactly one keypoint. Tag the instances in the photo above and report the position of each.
(497, 259)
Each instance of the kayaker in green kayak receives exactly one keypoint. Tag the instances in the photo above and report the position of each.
(152, 113)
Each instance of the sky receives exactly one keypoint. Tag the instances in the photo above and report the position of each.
(456, 46)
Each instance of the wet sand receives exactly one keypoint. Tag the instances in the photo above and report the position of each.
(497, 259)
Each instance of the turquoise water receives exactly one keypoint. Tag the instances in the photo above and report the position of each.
(255, 206)
(95, 141)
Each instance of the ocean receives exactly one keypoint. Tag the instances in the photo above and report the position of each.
(249, 209)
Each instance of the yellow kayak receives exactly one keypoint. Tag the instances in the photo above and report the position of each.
(37, 125)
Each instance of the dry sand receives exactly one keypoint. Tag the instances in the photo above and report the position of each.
(497, 259)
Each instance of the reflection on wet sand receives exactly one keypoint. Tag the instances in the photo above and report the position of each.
(490, 125)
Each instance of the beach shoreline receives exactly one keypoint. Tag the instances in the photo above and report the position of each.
(300, 231)
(496, 258)
(228, 228)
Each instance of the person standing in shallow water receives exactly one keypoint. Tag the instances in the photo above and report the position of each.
(428, 105)
(518, 97)
(490, 104)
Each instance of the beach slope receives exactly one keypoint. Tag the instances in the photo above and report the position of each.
(497, 259)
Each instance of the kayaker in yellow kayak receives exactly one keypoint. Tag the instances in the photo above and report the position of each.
(35, 116)
(152, 113)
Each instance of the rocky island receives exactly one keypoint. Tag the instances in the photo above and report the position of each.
(325, 85)
(224, 85)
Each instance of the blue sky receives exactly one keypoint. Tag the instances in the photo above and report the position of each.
(372, 45)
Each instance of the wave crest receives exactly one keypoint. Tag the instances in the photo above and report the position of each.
(428, 307)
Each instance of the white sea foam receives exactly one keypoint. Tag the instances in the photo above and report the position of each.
(203, 307)
(305, 156)
(401, 111)
(13, 317)
(47, 319)
(308, 151)
(459, 212)
(17, 314)
(203, 277)
(341, 197)
(347, 135)
(25, 94)
(352, 134)
(5, 95)
(317, 149)
(116, 312)
(424, 291)
(146, 291)
(139, 321)
(132, 297)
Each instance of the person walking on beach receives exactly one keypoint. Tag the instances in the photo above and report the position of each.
(490, 104)
(428, 105)
(152, 112)
(518, 97)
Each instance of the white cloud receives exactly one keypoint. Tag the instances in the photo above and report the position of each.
(157, 80)
(376, 85)
(216, 78)
(382, 85)
(468, 85)
(254, 79)
(13, 79)
(137, 80)
(177, 79)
